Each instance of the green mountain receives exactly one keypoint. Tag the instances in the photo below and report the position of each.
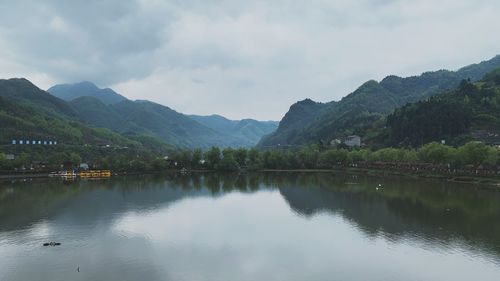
(171, 126)
(248, 131)
(472, 111)
(23, 91)
(363, 111)
(28, 113)
(69, 92)
(133, 118)
(146, 118)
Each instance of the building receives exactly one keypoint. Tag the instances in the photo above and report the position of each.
(488, 137)
(352, 141)
(34, 142)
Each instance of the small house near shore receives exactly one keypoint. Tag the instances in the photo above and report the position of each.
(352, 141)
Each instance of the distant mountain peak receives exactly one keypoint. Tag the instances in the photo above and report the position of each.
(306, 101)
(70, 92)
(86, 83)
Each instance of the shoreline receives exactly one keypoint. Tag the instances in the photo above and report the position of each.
(492, 182)
(484, 180)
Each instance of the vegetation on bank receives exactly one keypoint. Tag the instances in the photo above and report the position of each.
(39, 158)
(471, 156)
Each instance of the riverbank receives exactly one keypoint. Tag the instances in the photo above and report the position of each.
(492, 181)
(24, 176)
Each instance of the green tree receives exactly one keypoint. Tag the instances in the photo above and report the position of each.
(228, 161)
(57, 158)
(308, 157)
(4, 163)
(334, 157)
(477, 153)
(254, 159)
(359, 155)
(240, 156)
(436, 153)
(159, 164)
(387, 155)
(75, 159)
(183, 159)
(212, 156)
(196, 158)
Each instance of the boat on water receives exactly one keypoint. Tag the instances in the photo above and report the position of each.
(64, 174)
(93, 174)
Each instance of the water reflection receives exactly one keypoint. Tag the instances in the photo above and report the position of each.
(272, 226)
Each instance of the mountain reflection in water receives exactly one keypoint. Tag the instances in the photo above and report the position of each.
(272, 226)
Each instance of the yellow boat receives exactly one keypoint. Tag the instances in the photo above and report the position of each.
(95, 174)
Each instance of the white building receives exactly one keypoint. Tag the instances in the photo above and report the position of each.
(352, 141)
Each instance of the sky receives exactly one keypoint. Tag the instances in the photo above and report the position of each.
(240, 59)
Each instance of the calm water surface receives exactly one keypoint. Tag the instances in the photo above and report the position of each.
(284, 226)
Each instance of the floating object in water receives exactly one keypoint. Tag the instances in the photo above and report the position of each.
(52, 244)
(379, 187)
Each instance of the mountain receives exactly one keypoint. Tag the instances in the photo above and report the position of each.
(249, 131)
(106, 108)
(146, 118)
(23, 91)
(93, 111)
(362, 111)
(472, 111)
(69, 92)
(170, 125)
(28, 113)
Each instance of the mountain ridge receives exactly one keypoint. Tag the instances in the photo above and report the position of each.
(357, 112)
(101, 108)
(69, 92)
(29, 113)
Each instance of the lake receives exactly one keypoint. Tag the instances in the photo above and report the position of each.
(266, 226)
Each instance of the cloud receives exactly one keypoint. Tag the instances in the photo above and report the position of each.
(254, 58)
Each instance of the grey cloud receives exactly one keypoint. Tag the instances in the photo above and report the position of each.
(103, 41)
(254, 57)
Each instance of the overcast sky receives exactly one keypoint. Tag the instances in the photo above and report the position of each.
(240, 58)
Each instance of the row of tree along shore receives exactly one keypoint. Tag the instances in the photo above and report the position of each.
(473, 158)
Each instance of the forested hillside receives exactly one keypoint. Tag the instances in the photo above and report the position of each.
(472, 111)
(106, 108)
(363, 111)
(35, 117)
